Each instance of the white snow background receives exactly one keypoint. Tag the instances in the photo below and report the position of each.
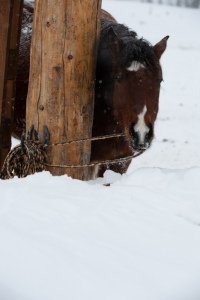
(138, 239)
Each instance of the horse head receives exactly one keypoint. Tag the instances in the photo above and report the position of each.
(135, 81)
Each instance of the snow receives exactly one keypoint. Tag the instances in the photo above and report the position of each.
(140, 237)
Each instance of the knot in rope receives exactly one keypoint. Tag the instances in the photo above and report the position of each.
(27, 158)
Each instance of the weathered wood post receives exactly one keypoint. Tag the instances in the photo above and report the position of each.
(62, 78)
(10, 19)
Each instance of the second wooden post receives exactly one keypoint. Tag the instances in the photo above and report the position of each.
(62, 78)
(10, 24)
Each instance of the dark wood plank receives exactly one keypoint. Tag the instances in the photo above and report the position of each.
(10, 20)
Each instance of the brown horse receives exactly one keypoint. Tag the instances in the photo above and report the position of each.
(128, 81)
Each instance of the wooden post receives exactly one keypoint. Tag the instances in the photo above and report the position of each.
(62, 79)
(10, 18)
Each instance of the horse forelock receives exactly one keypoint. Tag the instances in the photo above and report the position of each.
(137, 50)
(131, 48)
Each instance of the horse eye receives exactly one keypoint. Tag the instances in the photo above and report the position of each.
(118, 76)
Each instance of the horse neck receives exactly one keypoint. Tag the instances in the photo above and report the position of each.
(104, 120)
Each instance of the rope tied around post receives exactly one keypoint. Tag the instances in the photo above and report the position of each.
(95, 163)
(99, 163)
(31, 155)
(95, 138)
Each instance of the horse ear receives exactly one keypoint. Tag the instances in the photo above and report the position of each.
(160, 47)
(114, 41)
(113, 34)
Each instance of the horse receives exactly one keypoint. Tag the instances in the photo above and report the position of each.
(128, 78)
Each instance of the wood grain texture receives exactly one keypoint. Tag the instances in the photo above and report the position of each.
(62, 78)
(5, 7)
(10, 21)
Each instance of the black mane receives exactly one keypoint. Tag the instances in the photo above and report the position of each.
(130, 46)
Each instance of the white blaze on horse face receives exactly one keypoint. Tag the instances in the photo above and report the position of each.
(135, 66)
(140, 127)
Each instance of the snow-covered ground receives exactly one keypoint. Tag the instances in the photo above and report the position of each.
(138, 239)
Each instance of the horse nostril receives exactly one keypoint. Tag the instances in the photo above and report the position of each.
(141, 146)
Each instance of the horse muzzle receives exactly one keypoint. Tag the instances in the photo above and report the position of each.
(140, 147)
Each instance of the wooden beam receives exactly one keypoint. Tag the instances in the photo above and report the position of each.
(10, 20)
(62, 79)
